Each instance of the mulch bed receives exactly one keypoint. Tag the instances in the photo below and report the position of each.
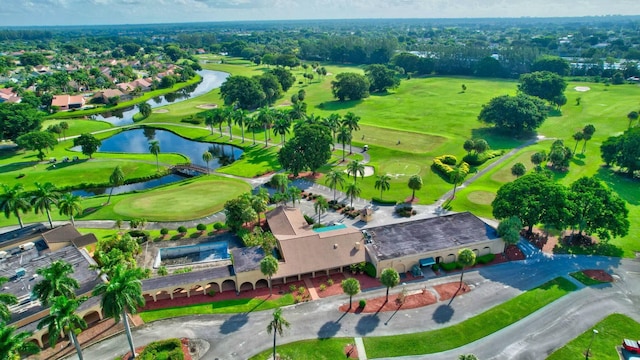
(307, 175)
(448, 290)
(599, 275)
(513, 253)
(409, 201)
(351, 351)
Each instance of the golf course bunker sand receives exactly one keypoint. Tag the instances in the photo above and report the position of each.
(207, 106)
(368, 171)
(160, 111)
(582, 88)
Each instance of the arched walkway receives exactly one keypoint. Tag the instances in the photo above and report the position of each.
(262, 283)
(92, 317)
(228, 285)
(246, 286)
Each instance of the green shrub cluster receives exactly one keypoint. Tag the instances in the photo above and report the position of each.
(182, 229)
(309, 219)
(479, 159)
(370, 269)
(450, 266)
(445, 165)
(405, 211)
(485, 259)
(170, 349)
(201, 227)
(192, 120)
(383, 202)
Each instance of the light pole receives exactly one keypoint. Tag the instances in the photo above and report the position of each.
(593, 335)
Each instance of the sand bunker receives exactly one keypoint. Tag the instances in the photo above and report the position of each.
(582, 88)
(160, 111)
(368, 171)
(207, 106)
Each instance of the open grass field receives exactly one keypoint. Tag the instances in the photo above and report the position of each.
(232, 306)
(611, 331)
(323, 349)
(78, 126)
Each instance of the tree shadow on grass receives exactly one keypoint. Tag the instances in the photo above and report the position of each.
(338, 105)
(443, 314)
(234, 323)
(367, 324)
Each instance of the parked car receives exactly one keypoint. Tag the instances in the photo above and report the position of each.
(631, 345)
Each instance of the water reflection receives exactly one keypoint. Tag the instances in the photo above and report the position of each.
(167, 179)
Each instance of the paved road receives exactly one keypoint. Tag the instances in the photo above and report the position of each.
(240, 336)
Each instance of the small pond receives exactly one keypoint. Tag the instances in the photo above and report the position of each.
(136, 141)
(167, 179)
(210, 80)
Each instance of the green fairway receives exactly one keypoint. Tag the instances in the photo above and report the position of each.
(233, 306)
(611, 331)
(323, 349)
(190, 199)
(78, 126)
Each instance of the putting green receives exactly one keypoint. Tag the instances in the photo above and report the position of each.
(401, 169)
(481, 197)
(192, 199)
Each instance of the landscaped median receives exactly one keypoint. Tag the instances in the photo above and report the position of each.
(472, 329)
(322, 349)
(232, 306)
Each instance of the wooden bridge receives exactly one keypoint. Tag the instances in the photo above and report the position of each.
(189, 169)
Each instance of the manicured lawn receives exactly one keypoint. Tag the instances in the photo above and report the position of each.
(611, 331)
(190, 199)
(78, 126)
(472, 329)
(218, 307)
(323, 349)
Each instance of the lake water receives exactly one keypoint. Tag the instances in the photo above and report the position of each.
(210, 80)
(167, 179)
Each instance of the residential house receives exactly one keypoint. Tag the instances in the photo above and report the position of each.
(68, 102)
(103, 96)
(8, 95)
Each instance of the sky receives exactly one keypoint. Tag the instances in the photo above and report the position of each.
(101, 12)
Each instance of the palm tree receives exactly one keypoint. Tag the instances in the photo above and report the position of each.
(588, 132)
(206, 157)
(332, 122)
(240, 118)
(335, 178)
(209, 119)
(259, 202)
(321, 205)
(115, 179)
(344, 136)
(64, 126)
(415, 183)
(389, 278)
(350, 286)
(229, 115)
(154, 148)
(457, 175)
(351, 120)
(269, 266)
(122, 294)
(353, 191)
(294, 194)
(44, 198)
(69, 204)
(382, 183)
(265, 116)
(14, 200)
(282, 126)
(62, 317)
(355, 168)
(578, 136)
(277, 326)
(631, 116)
(253, 124)
(6, 299)
(280, 181)
(218, 118)
(56, 281)
(466, 258)
(13, 345)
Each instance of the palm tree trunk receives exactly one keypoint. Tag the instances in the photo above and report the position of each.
(254, 137)
(19, 219)
(270, 289)
(49, 217)
(461, 275)
(242, 128)
(387, 300)
(110, 192)
(211, 127)
(128, 331)
(74, 339)
(350, 150)
(157, 164)
(266, 138)
(343, 150)
(274, 344)
(72, 220)
(413, 195)
(230, 134)
(334, 193)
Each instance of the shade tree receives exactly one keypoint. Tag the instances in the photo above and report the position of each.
(415, 183)
(509, 230)
(514, 114)
(389, 278)
(381, 78)
(269, 267)
(466, 258)
(310, 148)
(518, 169)
(88, 143)
(238, 211)
(543, 84)
(37, 141)
(350, 86)
(350, 286)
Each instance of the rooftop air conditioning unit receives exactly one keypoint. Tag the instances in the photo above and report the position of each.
(4, 254)
(27, 246)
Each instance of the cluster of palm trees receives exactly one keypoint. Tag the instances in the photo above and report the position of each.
(121, 294)
(336, 178)
(14, 201)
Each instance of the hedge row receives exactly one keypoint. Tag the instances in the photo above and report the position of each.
(479, 159)
(383, 202)
(445, 165)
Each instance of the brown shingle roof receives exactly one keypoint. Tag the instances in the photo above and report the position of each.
(65, 233)
(85, 240)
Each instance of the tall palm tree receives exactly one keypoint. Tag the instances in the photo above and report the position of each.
(344, 136)
(353, 191)
(209, 119)
(276, 326)
(415, 183)
(466, 258)
(320, 206)
(332, 122)
(266, 117)
(217, 118)
(240, 118)
(335, 178)
(254, 125)
(382, 183)
(69, 204)
(6, 299)
(351, 120)
(206, 157)
(13, 200)
(355, 168)
(229, 115)
(45, 196)
(282, 126)
(350, 286)
(457, 175)
(13, 345)
(268, 267)
(389, 278)
(115, 179)
(56, 281)
(62, 317)
(154, 148)
(122, 294)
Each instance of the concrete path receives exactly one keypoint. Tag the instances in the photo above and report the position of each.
(362, 354)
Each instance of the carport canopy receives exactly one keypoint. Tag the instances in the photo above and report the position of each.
(427, 261)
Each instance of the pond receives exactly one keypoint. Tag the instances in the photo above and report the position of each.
(210, 80)
(136, 141)
(167, 179)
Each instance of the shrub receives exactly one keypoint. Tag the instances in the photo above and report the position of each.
(218, 226)
(170, 349)
(201, 227)
(309, 219)
(330, 281)
(383, 202)
(323, 287)
(446, 170)
(292, 288)
(485, 259)
(404, 211)
(362, 303)
(317, 226)
(183, 270)
(182, 229)
(301, 290)
(211, 293)
(448, 159)
(479, 159)
(449, 266)
(370, 269)
(192, 120)
(140, 235)
(435, 267)
(164, 231)
(162, 271)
